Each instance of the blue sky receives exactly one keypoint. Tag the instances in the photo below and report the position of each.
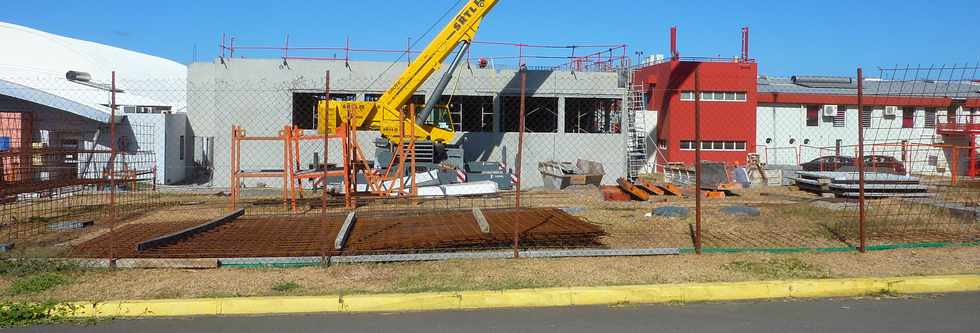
(788, 37)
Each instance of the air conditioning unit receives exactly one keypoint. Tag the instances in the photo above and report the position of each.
(830, 110)
(891, 111)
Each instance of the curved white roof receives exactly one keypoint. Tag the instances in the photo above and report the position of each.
(37, 60)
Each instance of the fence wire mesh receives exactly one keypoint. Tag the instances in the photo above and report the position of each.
(175, 169)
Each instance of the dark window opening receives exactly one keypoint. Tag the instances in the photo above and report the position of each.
(591, 115)
(813, 115)
(866, 116)
(930, 118)
(908, 117)
(180, 148)
(840, 118)
(541, 114)
(470, 113)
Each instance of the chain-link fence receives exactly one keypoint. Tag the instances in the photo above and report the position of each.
(165, 178)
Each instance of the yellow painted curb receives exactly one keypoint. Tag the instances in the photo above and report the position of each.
(548, 297)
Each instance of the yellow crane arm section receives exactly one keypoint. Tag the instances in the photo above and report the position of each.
(384, 114)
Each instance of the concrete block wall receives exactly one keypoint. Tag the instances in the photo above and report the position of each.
(257, 95)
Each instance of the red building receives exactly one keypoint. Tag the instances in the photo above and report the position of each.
(934, 116)
(728, 105)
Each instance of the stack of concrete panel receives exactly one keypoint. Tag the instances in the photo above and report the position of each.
(876, 185)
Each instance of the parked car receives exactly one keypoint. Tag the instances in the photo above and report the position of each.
(828, 163)
(872, 163)
(885, 164)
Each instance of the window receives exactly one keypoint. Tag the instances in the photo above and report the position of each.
(930, 118)
(714, 145)
(840, 119)
(908, 117)
(813, 115)
(866, 116)
(716, 96)
(180, 148)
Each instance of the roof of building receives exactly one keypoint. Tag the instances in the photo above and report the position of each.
(872, 87)
(34, 64)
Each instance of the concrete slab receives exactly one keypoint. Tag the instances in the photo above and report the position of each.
(167, 263)
(182, 234)
(70, 225)
(338, 243)
(481, 220)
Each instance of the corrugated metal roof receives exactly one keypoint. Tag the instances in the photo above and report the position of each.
(873, 87)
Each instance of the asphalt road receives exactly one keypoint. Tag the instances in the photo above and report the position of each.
(946, 313)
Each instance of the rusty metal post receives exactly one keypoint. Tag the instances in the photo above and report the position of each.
(697, 161)
(112, 170)
(519, 161)
(348, 160)
(326, 145)
(860, 159)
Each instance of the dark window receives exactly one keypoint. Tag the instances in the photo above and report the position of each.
(813, 115)
(930, 118)
(840, 119)
(541, 114)
(591, 115)
(866, 116)
(180, 148)
(908, 117)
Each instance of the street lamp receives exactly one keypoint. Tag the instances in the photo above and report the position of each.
(85, 79)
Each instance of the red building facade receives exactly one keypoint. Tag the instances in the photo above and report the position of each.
(728, 108)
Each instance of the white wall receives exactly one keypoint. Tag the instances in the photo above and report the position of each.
(165, 131)
(790, 139)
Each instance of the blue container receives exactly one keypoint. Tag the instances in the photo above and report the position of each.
(4, 143)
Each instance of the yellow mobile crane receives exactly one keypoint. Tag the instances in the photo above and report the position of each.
(384, 114)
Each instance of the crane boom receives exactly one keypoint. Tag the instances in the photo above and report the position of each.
(384, 113)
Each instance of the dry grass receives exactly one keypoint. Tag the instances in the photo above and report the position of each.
(503, 274)
(787, 219)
